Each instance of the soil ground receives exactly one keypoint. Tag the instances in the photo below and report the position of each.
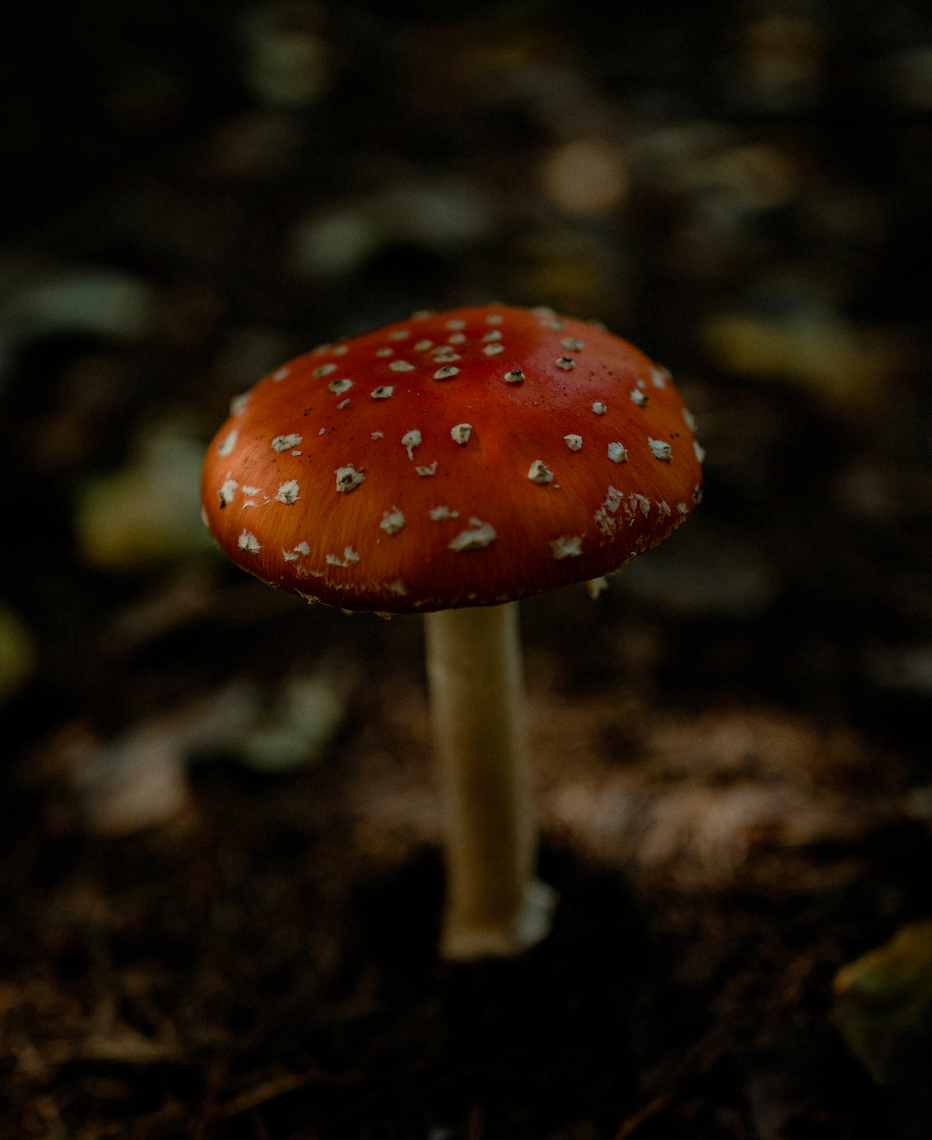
(730, 745)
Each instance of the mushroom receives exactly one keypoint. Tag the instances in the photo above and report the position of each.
(452, 464)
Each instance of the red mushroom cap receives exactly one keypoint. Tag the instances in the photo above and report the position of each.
(455, 459)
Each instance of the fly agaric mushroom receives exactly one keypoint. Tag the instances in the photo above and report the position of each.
(452, 464)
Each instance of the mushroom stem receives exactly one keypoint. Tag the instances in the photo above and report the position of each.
(494, 904)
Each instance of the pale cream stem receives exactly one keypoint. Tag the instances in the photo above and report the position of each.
(494, 905)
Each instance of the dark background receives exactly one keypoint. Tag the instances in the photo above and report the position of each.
(219, 853)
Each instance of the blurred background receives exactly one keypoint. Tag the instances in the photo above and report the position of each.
(219, 855)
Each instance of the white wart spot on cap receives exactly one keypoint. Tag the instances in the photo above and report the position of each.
(343, 403)
(573, 344)
(288, 492)
(382, 392)
(640, 502)
(238, 404)
(247, 541)
(251, 490)
(659, 377)
(617, 453)
(348, 479)
(604, 521)
(303, 548)
(226, 445)
(281, 373)
(400, 334)
(690, 419)
(341, 350)
(461, 433)
(613, 499)
(638, 397)
(599, 408)
(456, 338)
(446, 372)
(492, 334)
(573, 442)
(493, 349)
(567, 363)
(401, 366)
(377, 434)
(411, 439)
(480, 534)
(699, 450)
(548, 318)
(610, 504)
(681, 507)
(339, 386)
(323, 370)
(439, 513)
(349, 558)
(285, 442)
(515, 376)
(385, 351)
(494, 319)
(423, 345)
(288, 556)
(432, 470)
(456, 324)
(226, 492)
(664, 509)
(540, 473)
(392, 521)
(660, 449)
(567, 546)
